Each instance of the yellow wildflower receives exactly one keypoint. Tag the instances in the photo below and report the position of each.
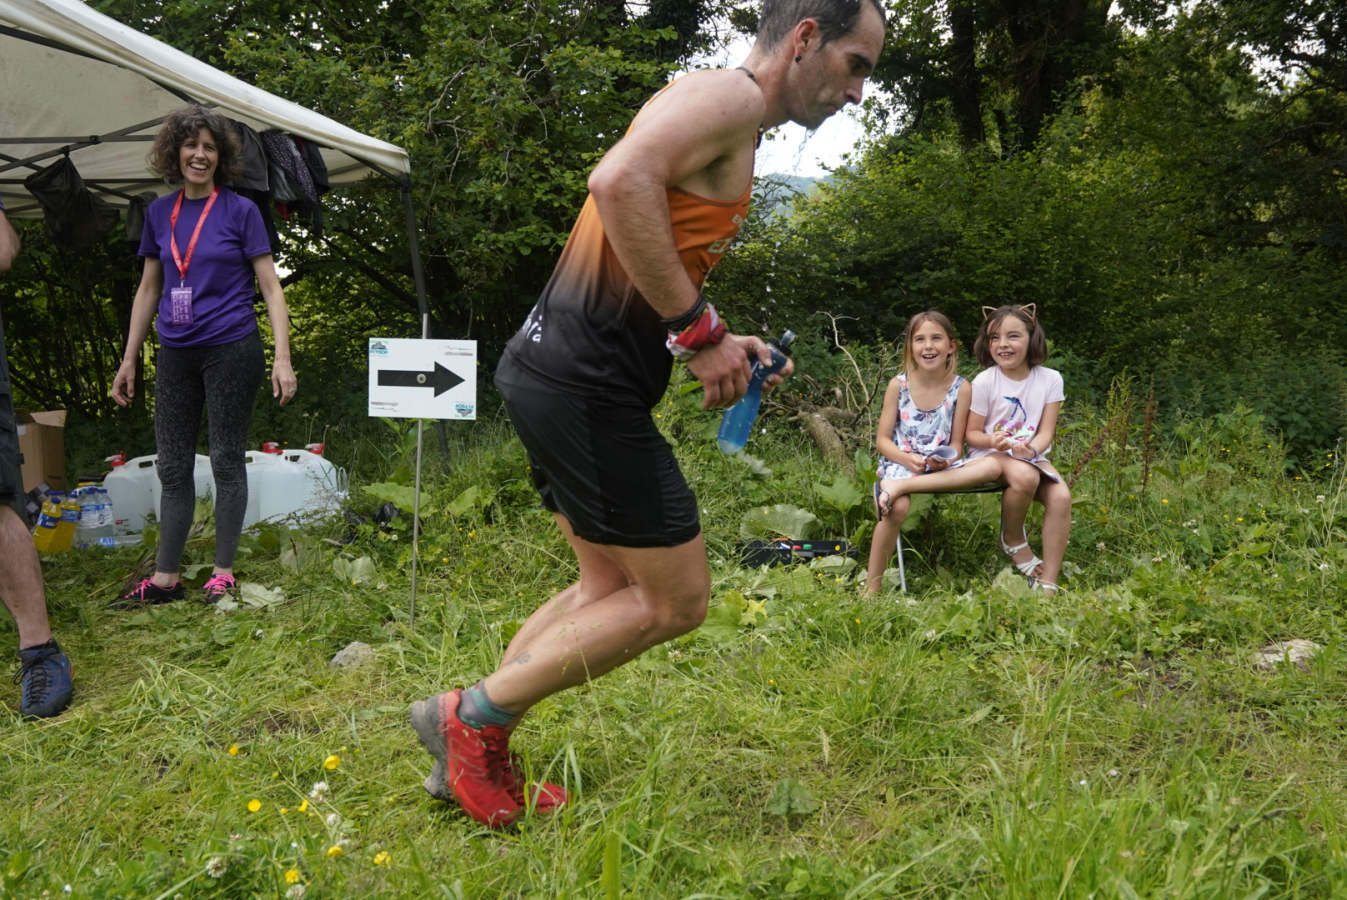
(254, 805)
(332, 762)
(233, 749)
(382, 858)
(334, 851)
(292, 876)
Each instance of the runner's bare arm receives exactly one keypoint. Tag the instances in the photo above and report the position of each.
(695, 131)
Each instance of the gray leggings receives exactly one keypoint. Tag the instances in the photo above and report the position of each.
(224, 379)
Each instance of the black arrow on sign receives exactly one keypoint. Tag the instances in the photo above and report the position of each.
(441, 379)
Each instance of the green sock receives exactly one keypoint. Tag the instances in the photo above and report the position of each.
(476, 710)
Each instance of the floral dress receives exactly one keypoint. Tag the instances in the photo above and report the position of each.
(920, 430)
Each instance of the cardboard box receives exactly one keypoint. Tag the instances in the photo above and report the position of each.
(42, 443)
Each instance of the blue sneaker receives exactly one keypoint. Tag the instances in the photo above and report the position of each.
(46, 680)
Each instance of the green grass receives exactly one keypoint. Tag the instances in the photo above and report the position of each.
(969, 739)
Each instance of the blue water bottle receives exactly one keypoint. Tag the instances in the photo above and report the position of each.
(739, 418)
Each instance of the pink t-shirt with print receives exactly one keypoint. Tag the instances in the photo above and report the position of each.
(1014, 406)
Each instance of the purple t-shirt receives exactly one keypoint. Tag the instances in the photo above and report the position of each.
(221, 272)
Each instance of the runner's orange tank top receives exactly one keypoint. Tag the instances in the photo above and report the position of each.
(591, 332)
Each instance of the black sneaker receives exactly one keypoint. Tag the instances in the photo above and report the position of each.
(147, 593)
(45, 675)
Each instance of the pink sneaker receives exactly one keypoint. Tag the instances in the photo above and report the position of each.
(468, 762)
(219, 585)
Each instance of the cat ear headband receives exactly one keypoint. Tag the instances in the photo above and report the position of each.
(1029, 309)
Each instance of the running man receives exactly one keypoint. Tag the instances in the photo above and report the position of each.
(593, 358)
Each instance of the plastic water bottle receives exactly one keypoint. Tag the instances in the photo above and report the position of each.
(70, 518)
(48, 520)
(739, 418)
(104, 527)
(88, 516)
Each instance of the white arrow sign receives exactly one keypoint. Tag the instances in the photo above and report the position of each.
(413, 378)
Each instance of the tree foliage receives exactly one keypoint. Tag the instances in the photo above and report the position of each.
(503, 108)
(1180, 214)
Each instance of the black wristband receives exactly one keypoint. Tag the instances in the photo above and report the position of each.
(677, 323)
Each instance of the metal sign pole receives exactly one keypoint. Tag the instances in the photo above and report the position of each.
(411, 378)
(416, 520)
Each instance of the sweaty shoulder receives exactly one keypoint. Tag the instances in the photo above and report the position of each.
(701, 130)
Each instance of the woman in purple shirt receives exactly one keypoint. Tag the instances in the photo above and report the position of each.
(203, 247)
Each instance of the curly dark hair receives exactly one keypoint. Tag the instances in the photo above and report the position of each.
(187, 123)
(835, 18)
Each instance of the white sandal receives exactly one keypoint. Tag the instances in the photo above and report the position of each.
(1027, 567)
(1046, 587)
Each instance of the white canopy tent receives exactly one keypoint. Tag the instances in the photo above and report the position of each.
(73, 81)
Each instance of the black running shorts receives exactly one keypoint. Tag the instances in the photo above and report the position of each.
(605, 467)
(11, 475)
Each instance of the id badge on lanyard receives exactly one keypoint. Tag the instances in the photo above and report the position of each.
(180, 297)
(180, 308)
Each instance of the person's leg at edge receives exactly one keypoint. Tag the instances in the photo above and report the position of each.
(47, 685)
(231, 376)
(1056, 499)
(45, 673)
(21, 580)
(883, 540)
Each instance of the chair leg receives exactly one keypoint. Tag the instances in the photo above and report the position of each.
(902, 572)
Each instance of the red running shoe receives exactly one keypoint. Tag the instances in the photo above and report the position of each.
(468, 762)
(546, 796)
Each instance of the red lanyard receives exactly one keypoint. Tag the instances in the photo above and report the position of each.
(183, 263)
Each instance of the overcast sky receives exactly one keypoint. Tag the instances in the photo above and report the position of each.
(789, 149)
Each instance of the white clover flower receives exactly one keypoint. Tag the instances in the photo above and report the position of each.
(1324, 567)
(216, 866)
(318, 792)
(1318, 498)
(295, 891)
(333, 820)
(1101, 546)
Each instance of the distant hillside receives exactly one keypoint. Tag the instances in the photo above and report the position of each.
(779, 191)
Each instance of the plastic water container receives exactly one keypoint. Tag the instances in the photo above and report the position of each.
(131, 488)
(202, 477)
(134, 490)
(295, 485)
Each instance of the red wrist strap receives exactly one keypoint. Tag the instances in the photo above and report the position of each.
(707, 328)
